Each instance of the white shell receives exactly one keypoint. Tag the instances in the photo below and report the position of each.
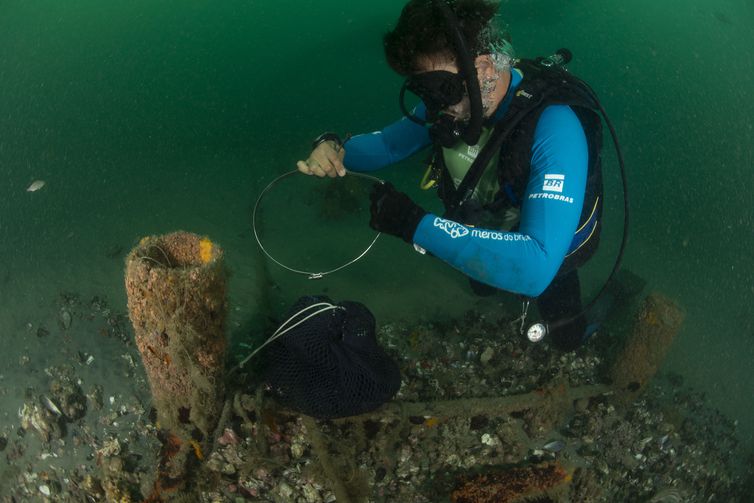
(554, 446)
(35, 186)
(487, 355)
(50, 405)
(490, 440)
(44, 489)
(65, 319)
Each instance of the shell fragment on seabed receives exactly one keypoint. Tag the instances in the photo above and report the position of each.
(554, 446)
(50, 405)
(65, 319)
(35, 186)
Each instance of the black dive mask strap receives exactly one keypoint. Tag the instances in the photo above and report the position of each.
(408, 114)
(522, 103)
(465, 189)
(465, 61)
(440, 91)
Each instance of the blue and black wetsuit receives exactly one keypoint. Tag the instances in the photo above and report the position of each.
(526, 257)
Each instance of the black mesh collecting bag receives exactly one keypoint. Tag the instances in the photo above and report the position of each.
(331, 365)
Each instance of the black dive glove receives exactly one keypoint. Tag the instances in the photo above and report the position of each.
(393, 212)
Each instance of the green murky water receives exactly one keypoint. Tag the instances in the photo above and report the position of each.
(144, 117)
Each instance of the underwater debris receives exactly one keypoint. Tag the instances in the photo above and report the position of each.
(554, 446)
(66, 395)
(50, 405)
(512, 485)
(35, 186)
(41, 421)
(655, 327)
(229, 437)
(177, 304)
(670, 437)
(197, 449)
(118, 483)
(65, 319)
(669, 495)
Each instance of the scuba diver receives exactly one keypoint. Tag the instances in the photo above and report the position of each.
(515, 159)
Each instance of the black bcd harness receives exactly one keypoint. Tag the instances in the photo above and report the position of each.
(512, 139)
(544, 84)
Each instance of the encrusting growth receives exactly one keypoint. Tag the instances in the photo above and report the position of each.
(176, 287)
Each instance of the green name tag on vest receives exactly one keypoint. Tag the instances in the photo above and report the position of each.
(458, 160)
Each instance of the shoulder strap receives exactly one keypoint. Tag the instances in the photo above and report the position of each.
(528, 97)
(515, 153)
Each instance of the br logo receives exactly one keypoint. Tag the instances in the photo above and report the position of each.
(453, 229)
(554, 183)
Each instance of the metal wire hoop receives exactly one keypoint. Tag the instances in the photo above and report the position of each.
(309, 274)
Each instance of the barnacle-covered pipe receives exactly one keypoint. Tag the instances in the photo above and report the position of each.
(657, 323)
(176, 286)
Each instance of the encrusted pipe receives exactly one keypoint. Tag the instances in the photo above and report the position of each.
(176, 287)
(657, 323)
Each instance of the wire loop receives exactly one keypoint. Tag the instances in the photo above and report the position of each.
(308, 274)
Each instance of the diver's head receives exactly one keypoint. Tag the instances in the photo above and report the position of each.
(455, 58)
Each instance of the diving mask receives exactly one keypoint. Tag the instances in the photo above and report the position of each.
(438, 90)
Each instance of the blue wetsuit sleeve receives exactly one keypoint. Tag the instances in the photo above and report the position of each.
(372, 151)
(526, 261)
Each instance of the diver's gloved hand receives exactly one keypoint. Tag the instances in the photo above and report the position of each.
(393, 212)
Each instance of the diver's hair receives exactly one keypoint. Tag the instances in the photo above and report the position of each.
(423, 32)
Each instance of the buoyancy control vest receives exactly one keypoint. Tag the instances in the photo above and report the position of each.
(512, 140)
